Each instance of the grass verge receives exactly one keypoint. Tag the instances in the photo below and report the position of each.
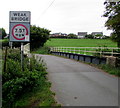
(111, 70)
(38, 97)
(106, 68)
(42, 50)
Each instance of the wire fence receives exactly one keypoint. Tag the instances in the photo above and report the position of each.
(99, 51)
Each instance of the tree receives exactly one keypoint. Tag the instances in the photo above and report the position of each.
(113, 22)
(99, 36)
(38, 36)
(2, 30)
(89, 36)
(71, 35)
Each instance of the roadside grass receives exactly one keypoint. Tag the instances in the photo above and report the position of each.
(106, 68)
(80, 43)
(38, 97)
(42, 50)
(111, 70)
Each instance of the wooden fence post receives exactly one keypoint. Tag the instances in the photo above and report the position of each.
(5, 60)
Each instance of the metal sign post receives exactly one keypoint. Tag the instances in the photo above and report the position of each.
(20, 29)
(22, 57)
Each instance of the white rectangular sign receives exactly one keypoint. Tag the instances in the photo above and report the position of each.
(20, 16)
(20, 26)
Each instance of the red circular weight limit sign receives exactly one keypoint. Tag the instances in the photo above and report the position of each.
(19, 32)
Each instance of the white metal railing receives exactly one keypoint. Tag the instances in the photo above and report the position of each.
(87, 50)
(27, 49)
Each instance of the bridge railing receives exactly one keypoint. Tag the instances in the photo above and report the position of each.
(27, 49)
(88, 50)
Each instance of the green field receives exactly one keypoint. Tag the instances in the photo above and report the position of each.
(80, 43)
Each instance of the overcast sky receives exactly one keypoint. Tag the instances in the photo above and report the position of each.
(66, 16)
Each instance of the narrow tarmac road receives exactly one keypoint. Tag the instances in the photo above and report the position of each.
(78, 84)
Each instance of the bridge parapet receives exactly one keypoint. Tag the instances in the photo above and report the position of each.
(94, 51)
(95, 55)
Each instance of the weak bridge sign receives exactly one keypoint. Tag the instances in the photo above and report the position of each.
(20, 26)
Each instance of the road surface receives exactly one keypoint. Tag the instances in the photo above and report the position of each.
(78, 84)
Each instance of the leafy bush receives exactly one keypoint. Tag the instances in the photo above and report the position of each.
(5, 42)
(14, 54)
(38, 36)
(3, 33)
(15, 82)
